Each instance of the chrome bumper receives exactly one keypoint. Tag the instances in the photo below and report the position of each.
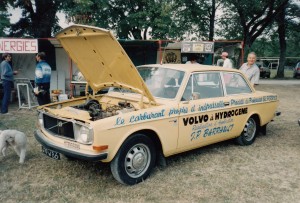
(48, 144)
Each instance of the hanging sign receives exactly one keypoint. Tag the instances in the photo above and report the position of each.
(197, 47)
(14, 45)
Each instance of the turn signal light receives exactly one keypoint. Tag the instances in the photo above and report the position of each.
(100, 148)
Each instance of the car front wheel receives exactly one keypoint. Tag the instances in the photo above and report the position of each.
(134, 160)
(248, 135)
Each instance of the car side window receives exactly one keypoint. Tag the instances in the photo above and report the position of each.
(202, 86)
(235, 84)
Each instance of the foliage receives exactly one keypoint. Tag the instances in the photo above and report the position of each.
(161, 23)
(293, 30)
(164, 19)
(267, 44)
(4, 20)
(38, 18)
(253, 16)
(197, 17)
(89, 12)
(130, 19)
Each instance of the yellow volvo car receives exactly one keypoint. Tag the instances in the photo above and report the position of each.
(150, 112)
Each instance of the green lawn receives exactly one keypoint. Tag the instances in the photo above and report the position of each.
(287, 73)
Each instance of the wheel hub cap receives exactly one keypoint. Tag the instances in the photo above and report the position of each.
(250, 130)
(137, 160)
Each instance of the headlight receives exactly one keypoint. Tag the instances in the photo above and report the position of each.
(41, 120)
(84, 135)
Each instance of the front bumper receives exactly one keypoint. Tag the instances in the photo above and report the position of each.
(71, 153)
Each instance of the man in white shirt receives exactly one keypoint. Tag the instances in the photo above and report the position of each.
(227, 62)
(250, 69)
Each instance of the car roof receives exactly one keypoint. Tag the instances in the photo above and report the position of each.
(189, 68)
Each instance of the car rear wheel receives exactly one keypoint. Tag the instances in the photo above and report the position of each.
(134, 160)
(248, 135)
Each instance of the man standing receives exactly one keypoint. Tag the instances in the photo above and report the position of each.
(226, 61)
(7, 76)
(42, 79)
(250, 69)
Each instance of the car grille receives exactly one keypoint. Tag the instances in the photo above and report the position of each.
(58, 127)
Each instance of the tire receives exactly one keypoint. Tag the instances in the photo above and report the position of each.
(134, 161)
(248, 135)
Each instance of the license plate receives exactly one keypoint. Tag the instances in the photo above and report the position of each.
(51, 153)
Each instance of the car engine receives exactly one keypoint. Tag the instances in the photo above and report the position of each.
(97, 111)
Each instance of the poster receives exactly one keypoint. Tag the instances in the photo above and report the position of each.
(197, 47)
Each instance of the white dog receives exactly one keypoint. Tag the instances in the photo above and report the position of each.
(16, 139)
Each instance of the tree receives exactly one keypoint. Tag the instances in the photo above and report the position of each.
(129, 19)
(4, 19)
(89, 12)
(293, 31)
(281, 38)
(253, 16)
(38, 18)
(198, 17)
(141, 19)
(280, 20)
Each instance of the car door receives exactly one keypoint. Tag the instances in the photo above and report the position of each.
(240, 96)
(203, 121)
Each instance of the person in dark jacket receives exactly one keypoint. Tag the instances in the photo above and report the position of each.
(42, 79)
(7, 77)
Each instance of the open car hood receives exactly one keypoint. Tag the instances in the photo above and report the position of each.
(101, 59)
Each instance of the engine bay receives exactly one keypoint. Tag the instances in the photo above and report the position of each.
(99, 111)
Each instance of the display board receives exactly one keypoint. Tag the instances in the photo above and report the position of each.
(26, 97)
(197, 47)
(17, 45)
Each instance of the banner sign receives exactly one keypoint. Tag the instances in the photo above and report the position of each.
(197, 47)
(14, 45)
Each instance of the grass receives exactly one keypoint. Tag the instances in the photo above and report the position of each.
(267, 171)
(287, 73)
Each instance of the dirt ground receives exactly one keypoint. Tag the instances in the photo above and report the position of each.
(267, 171)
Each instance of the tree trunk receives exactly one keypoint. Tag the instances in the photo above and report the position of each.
(280, 19)
(246, 46)
(212, 21)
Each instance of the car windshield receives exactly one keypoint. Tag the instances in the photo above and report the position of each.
(162, 82)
